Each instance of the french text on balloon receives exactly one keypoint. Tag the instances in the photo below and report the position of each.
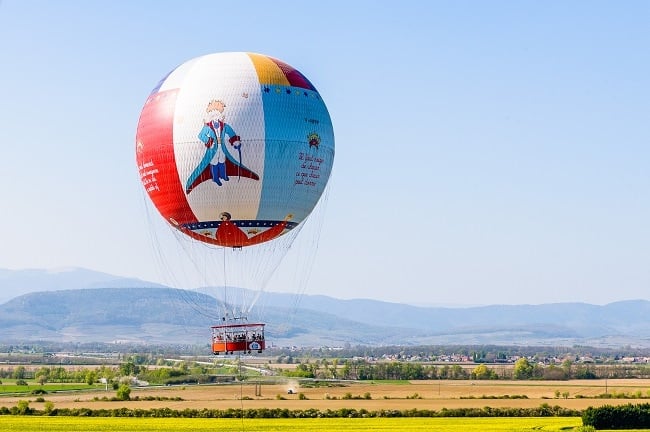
(148, 176)
(309, 171)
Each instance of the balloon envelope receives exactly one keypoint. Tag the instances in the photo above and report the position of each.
(234, 149)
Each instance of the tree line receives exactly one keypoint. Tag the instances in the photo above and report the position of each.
(345, 369)
(523, 369)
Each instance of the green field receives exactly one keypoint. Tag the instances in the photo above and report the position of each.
(18, 389)
(111, 424)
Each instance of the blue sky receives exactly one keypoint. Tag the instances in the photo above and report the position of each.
(486, 152)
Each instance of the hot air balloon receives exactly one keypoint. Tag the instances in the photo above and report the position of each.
(235, 150)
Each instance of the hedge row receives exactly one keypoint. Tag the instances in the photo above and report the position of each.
(541, 411)
(628, 416)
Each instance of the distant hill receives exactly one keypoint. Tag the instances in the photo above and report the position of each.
(137, 311)
(509, 324)
(17, 282)
(156, 315)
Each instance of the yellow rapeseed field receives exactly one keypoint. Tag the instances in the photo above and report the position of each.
(111, 424)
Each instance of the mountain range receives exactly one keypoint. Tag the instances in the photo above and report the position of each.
(78, 305)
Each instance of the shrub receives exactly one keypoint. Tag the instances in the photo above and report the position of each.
(124, 392)
(48, 407)
(22, 408)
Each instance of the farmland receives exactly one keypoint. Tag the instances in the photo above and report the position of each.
(71, 424)
(256, 387)
(371, 396)
(259, 392)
